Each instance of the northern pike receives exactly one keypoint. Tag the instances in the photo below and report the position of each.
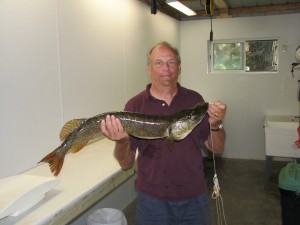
(77, 133)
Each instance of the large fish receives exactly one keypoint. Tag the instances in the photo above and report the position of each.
(77, 133)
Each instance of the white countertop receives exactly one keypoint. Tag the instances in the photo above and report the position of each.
(86, 177)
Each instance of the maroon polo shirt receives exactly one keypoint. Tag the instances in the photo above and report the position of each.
(169, 175)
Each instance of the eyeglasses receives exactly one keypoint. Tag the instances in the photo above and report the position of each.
(170, 63)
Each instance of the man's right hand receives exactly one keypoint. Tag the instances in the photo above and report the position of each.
(112, 128)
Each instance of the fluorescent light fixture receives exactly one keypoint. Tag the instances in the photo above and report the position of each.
(180, 7)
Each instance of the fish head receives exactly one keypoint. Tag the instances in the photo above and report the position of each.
(186, 120)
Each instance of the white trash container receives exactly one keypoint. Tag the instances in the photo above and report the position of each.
(106, 216)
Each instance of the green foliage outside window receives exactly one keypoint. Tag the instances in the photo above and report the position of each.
(247, 56)
(228, 56)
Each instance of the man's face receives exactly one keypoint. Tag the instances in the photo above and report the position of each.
(164, 67)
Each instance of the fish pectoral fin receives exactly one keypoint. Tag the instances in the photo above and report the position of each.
(169, 138)
(69, 127)
(170, 142)
(77, 148)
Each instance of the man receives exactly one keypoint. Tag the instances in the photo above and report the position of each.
(170, 184)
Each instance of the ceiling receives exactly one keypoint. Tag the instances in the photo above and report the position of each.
(228, 8)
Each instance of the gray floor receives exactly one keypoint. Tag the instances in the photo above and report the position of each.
(242, 188)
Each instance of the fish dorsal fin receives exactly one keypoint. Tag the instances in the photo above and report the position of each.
(78, 147)
(69, 128)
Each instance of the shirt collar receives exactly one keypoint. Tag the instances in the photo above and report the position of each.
(149, 96)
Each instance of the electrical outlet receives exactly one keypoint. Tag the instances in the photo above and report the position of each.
(284, 48)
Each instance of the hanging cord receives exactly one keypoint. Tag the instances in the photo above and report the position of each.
(216, 189)
(211, 34)
(209, 10)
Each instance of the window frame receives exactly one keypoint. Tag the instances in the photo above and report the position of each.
(210, 64)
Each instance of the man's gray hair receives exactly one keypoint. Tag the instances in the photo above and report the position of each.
(167, 44)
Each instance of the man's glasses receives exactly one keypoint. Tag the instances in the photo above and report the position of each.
(170, 63)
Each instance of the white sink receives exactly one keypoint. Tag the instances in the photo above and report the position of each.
(280, 136)
(284, 122)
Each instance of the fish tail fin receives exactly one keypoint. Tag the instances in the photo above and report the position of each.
(55, 162)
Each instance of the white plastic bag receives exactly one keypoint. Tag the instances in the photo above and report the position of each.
(106, 216)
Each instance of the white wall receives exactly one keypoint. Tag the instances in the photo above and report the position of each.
(30, 93)
(66, 59)
(249, 96)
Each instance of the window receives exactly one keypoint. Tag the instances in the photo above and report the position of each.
(243, 56)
